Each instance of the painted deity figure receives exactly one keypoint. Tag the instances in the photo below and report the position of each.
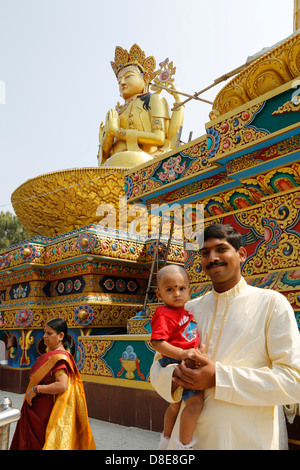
(142, 127)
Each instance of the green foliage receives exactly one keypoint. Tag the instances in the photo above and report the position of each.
(11, 230)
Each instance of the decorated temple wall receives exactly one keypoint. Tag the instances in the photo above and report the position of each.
(94, 278)
(270, 234)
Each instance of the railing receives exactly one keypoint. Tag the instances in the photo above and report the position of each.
(8, 415)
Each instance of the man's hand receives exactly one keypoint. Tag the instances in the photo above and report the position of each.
(195, 379)
(191, 356)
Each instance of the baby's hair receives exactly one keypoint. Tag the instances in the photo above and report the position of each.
(171, 267)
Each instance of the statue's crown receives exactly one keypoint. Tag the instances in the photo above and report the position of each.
(134, 57)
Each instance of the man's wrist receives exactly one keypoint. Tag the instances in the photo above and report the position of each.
(181, 357)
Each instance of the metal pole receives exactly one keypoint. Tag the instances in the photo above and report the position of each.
(223, 78)
(7, 416)
(195, 96)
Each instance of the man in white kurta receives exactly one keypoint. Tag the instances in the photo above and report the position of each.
(252, 341)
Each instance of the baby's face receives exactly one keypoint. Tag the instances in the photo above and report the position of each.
(173, 289)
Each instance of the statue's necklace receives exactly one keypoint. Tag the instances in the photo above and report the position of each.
(121, 107)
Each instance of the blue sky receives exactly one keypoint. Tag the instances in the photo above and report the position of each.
(55, 65)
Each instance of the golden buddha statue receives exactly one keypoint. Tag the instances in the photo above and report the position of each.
(142, 127)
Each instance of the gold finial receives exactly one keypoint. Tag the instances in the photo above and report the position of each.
(135, 56)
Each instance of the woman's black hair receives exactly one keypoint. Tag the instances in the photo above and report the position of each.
(60, 326)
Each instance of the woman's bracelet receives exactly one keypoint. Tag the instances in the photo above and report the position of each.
(35, 390)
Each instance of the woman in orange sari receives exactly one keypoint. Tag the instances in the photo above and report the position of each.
(54, 413)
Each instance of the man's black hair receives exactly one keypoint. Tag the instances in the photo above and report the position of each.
(224, 231)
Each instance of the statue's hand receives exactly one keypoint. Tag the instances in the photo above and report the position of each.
(112, 123)
(172, 89)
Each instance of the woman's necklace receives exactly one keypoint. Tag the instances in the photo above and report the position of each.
(58, 347)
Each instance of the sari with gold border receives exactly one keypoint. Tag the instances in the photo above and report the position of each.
(68, 426)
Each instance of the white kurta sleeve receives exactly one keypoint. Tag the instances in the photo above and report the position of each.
(161, 380)
(275, 384)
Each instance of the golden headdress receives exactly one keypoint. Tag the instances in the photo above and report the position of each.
(135, 56)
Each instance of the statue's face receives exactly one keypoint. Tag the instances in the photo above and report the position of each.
(131, 82)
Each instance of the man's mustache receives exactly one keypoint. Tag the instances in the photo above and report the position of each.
(216, 264)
